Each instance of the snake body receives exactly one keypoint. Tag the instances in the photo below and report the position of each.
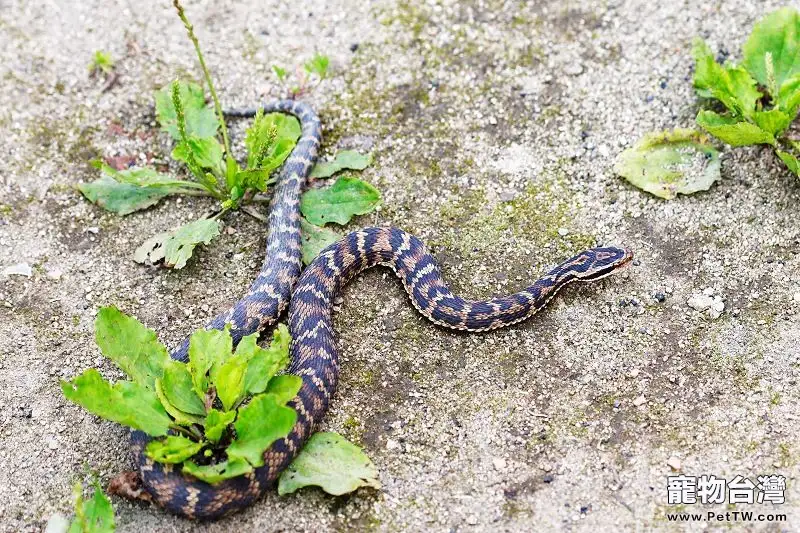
(314, 355)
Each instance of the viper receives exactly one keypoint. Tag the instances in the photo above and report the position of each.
(314, 356)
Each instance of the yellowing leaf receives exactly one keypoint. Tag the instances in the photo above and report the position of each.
(347, 197)
(134, 348)
(331, 462)
(219, 472)
(173, 449)
(260, 423)
(126, 403)
(670, 162)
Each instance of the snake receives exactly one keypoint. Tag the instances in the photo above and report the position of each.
(310, 296)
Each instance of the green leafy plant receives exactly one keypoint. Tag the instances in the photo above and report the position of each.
(101, 63)
(215, 415)
(752, 103)
(305, 79)
(95, 515)
(202, 146)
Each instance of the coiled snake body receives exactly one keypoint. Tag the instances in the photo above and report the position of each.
(313, 350)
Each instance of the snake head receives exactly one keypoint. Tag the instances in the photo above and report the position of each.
(597, 263)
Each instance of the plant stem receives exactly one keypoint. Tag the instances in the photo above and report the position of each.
(187, 432)
(206, 73)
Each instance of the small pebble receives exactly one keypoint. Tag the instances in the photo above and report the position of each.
(639, 401)
(674, 463)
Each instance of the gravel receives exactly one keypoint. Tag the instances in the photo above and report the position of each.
(494, 126)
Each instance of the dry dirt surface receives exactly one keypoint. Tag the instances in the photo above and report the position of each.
(494, 127)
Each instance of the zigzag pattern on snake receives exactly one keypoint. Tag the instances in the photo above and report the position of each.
(314, 356)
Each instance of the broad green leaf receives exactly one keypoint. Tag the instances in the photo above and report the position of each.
(670, 162)
(182, 418)
(145, 177)
(207, 346)
(101, 61)
(279, 72)
(790, 161)
(318, 65)
(260, 423)
(773, 121)
(228, 378)
(122, 198)
(346, 159)
(173, 449)
(258, 178)
(733, 86)
(216, 422)
(231, 170)
(789, 96)
(778, 34)
(179, 389)
(347, 197)
(176, 247)
(126, 403)
(134, 348)
(201, 121)
(287, 129)
(207, 153)
(93, 516)
(262, 363)
(315, 239)
(331, 462)
(212, 474)
(284, 387)
(732, 131)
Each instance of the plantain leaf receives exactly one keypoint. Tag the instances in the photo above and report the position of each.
(347, 197)
(134, 348)
(331, 462)
(172, 449)
(126, 402)
(670, 162)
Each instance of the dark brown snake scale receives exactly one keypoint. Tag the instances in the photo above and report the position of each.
(314, 355)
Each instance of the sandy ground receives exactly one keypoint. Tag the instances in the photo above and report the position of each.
(494, 125)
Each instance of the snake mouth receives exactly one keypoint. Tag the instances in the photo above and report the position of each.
(627, 259)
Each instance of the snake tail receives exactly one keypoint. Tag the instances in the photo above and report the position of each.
(261, 306)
